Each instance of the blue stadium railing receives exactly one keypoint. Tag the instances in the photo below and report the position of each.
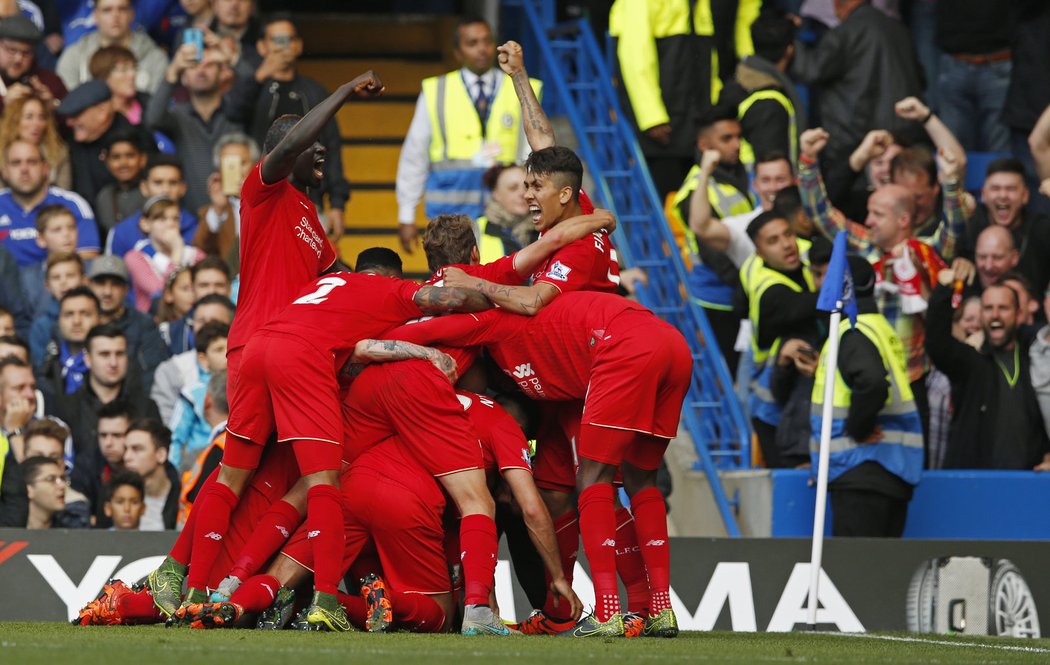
(578, 85)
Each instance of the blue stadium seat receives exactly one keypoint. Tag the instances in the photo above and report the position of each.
(976, 165)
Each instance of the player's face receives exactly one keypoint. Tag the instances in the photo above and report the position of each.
(62, 277)
(308, 170)
(477, 47)
(111, 433)
(546, 201)
(76, 316)
(126, 507)
(777, 245)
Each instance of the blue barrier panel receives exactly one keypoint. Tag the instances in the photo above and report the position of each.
(984, 505)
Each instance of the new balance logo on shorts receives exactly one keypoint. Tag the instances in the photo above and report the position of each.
(313, 534)
(283, 531)
(609, 542)
(213, 535)
(521, 371)
(656, 543)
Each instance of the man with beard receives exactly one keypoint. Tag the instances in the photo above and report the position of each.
(997, 423)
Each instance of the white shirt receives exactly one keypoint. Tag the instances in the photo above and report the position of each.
(740, 246)
(413, 166)
(153, 519)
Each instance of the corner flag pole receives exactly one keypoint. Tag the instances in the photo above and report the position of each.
(817, 551)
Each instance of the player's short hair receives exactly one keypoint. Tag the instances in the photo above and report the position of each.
(118, 408)
(63, 257)
(761, 220)
(216, 390)
(33, 467)
(1005, 165)
(379, 257)
(124, 478)
(560, 164)
(209, 332)
(448, 240)
(470, 19)
(234, 138)
(279, 129)
(787, 202)
(159, 159)
(80, 292)
(160, 434)
(210, 262)
(914, 161)
(49, 212)
(110, 330)
(46, 427)
(771, 33)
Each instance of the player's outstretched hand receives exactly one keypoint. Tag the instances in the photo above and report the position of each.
(510, 58)
(367, 85)
(445, 364)
(455, 277)
(563, 591)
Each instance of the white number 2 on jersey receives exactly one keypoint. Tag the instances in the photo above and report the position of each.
(325, 286)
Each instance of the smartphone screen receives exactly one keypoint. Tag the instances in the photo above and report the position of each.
(231, 172)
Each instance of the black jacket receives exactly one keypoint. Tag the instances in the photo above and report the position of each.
(975, 384)
(171, 504)
(1029, 91)
(14, 503)
(80, 410)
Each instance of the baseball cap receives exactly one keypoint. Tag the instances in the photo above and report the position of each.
(20, 29)
(110, 265)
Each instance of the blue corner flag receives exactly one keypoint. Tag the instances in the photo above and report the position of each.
(837, 291)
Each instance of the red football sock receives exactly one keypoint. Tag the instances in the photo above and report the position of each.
(416, 612)
(183, 547)
(256, 593)
(324, 519)
(477, 537)
(356, 609)
(629, 563)
(138, 608)
(650, 521)
(214, 506)
(567, 532)
(273, 529)
(598, 528)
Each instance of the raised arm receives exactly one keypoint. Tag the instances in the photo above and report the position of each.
(538, 130)
(910, 108)
(528, 259)
(525, 300)
(708, 230)
(541, 532)
(1039, 142)
(825, 216)
(278, 163)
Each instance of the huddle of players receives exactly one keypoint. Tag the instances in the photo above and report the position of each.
(342, 407)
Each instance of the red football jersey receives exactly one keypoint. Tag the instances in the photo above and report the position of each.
(588, 264)
(549, 355)
(339, 310)
(283, 246)
(500, 271)
(502, 441)
(388, 460)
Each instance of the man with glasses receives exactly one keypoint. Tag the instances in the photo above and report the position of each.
(46, 483)
(19, 71)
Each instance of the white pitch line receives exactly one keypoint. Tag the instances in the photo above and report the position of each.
(921, 640)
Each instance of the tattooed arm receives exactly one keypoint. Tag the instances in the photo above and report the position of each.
(561, 234)
(537, 126)
(525, 300)
(444, 299)
(387, 350)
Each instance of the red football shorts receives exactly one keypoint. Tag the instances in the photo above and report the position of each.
(233, 367)
(287, 385)
(638, 383)
(554, 466)
(411, 400)
(402, 527)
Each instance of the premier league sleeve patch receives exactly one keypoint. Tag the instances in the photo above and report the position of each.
(559, 271)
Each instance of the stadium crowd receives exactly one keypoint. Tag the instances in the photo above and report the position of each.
(170, 298)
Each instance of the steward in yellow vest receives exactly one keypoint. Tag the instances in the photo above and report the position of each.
(876, 453)
(781, 302)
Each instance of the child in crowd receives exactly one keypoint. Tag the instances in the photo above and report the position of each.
(163, 178)
(190, 430)
(64, 271)
(125, 156)
(153, 260)
(125, 500)
(177, 298)
(56, 230)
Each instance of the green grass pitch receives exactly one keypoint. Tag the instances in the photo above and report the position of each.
(49, 643)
